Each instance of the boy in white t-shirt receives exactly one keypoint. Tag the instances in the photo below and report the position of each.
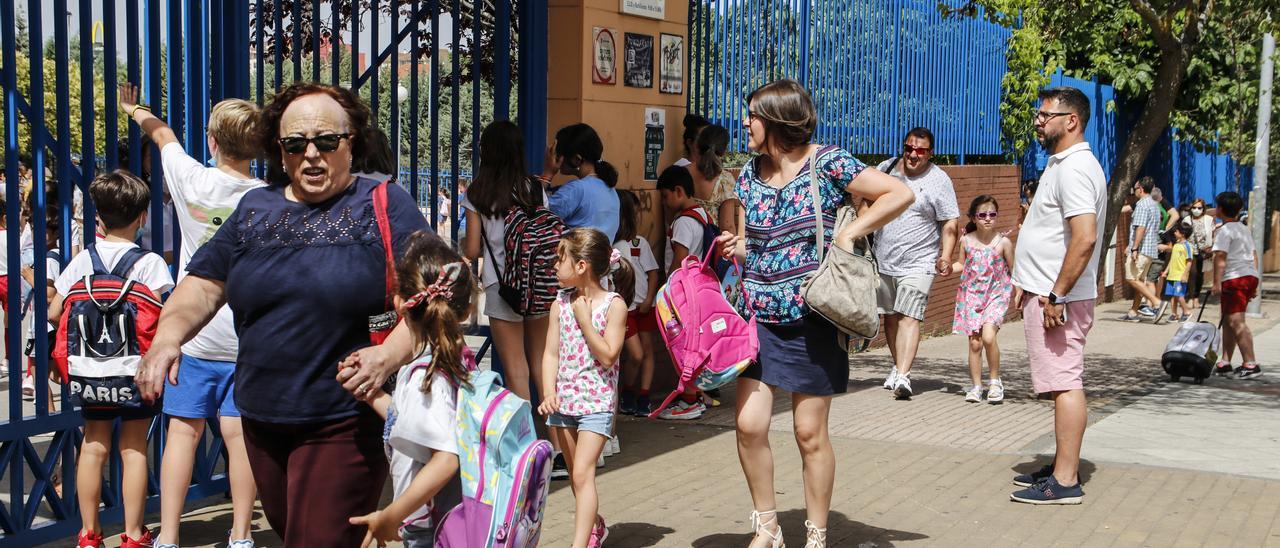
(203, 198)
(641, 322)
(1235, 278)
(121, 199)
(684, 237)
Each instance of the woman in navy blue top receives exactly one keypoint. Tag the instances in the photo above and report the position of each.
(302, 265)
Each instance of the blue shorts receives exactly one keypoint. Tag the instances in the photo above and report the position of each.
(600, 423)
(1175, 289)
(204, 391)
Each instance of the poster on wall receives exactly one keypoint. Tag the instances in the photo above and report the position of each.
(671, 64)
(655, 136)
(637, 52)
(653, 9)
(604, 56)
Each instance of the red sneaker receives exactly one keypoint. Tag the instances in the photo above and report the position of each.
(89, 539)
(142, 542)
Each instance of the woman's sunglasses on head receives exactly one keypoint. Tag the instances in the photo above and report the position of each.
(324, 143)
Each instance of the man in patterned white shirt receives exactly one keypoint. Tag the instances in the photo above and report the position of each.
(1144, 239)
(911, 249)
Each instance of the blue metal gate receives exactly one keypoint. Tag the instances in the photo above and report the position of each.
(433, 72)
(875, 69)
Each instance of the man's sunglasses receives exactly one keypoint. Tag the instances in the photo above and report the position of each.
(324, 143)
(984, 215)
(918, 151)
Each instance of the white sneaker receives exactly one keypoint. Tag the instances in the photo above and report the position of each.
(974, 395)
(600, 461)
(28, 388)
(614, 446)
(902, 387)
(892, 379)
(995, 392)
(681, 411)
(607, 451)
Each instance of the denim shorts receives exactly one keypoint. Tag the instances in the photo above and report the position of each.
(418, 537)
(204, 391)
(600, 423)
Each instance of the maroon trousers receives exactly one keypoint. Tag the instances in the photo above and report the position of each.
(313, 477)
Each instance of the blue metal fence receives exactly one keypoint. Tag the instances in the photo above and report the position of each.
(186, 55)
(875, 69)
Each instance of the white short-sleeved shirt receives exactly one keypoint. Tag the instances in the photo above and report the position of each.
(911, 242)
(204, 197)
(1073, 184)
(149, 271)
(638, 251)
(687, 232)
(1235, 239)
(418, 425)
(51, 271)
(493, 248)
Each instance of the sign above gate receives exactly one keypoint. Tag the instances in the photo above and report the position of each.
(653, 9)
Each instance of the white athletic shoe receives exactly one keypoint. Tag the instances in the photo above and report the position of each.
(892, 379)
(902, 387)
(995, 392)
(614, 446)
(974, 395)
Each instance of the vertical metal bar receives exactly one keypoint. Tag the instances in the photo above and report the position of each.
(88, 152)
(259, 52)
(217, 74)
(802, 48)
(415, 113)
(476, 36)
(502, 63)
(132, 74)
(434, 10)
(153, 85)
(196, 106)
(36, 122)
(374, 64)
(455, 78)
(315, 40)
(8, 30)
(177, 86)
(295, 44)
(62, 89)
(393, 91)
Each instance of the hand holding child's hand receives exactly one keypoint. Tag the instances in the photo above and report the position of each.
(381, 528)
(550, 404)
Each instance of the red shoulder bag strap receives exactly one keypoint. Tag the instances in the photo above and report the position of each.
(384, 228)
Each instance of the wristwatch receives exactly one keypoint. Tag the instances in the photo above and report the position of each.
(1054, 298)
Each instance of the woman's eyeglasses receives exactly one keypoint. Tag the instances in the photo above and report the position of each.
(984, 215)
(324, 143)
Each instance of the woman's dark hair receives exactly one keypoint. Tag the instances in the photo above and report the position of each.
(582, 142)
(712, 144)
(628, 213)
(973, 210)
(501, 180)
(693, 123)
(1030, 186)
(357, 123)
(437, 320)
(787, 112)
(379, 157)
(592, 246)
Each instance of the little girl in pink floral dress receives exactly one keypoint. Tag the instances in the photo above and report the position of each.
(986, 287)
(584, 342)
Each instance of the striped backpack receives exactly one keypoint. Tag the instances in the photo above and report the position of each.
(529, 282)
(505, 470)
(107, 324)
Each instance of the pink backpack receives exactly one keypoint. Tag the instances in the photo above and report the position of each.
(710, 343)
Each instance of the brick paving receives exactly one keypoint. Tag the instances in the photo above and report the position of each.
(933, 471)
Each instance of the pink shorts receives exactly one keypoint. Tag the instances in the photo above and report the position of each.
(1056, 355)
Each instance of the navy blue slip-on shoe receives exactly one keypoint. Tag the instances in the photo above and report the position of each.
(1027, 480)
(1048, 491)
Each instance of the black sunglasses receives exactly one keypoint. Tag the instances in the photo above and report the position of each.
(324, 143)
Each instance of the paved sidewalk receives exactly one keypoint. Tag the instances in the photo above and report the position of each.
(1165, 464)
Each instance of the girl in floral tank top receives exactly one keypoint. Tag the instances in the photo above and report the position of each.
(584, 342)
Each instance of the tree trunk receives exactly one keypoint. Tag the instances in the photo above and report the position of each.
(1150, 126)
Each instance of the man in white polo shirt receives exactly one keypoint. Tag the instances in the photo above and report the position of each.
(1056, 277)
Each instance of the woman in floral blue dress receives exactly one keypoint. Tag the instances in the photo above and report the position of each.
(799, 352)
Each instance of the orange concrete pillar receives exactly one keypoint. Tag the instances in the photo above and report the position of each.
(617, 110)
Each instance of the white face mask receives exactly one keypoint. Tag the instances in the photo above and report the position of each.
(1197, 211)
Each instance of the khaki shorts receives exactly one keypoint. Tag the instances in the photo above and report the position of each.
(907, 295)
(1136, 270)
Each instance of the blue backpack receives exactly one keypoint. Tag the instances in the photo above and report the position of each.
(505, 470)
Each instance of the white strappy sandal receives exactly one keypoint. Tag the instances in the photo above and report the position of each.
(814, 537)
(757, 527)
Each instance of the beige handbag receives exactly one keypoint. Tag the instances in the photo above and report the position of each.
(843, 289)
